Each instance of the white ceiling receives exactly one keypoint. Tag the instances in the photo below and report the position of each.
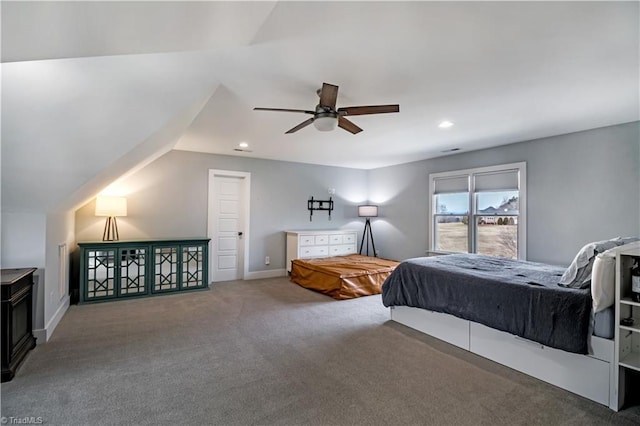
(85, 82)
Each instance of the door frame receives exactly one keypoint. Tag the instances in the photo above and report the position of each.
(246, 195)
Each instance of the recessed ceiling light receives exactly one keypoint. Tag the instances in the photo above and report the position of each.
(243, 145)
(445, 124)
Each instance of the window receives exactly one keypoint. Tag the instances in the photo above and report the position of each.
(479, 211)
(451, 216)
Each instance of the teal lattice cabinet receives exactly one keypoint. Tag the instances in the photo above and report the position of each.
(125, 269)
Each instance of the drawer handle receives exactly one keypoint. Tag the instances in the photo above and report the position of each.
(523, 340)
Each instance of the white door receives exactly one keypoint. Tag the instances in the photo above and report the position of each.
(227, 200)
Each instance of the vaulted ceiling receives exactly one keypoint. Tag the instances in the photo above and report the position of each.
(86, 84)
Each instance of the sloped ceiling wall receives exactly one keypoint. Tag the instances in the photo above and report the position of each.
(83, 86)
(66, 120)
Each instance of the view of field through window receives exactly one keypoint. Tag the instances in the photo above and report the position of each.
(493, 240)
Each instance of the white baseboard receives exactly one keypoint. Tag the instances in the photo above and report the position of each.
(271, 273)
(43, 334)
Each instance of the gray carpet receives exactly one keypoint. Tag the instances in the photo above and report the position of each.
(270, 352)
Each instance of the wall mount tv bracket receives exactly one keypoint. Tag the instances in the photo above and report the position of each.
(326, 205)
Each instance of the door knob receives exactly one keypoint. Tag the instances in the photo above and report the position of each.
(240, 234)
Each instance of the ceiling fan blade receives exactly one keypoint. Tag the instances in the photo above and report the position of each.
(373, 109)
(300, 126)
(348, 125)
(328, 96)
(284, 110)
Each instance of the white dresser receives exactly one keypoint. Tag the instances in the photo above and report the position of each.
(319, 243)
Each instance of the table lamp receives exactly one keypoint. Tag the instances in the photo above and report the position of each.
(111, 207)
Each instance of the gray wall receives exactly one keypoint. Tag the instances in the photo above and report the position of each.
(168, 199)
(581, 187)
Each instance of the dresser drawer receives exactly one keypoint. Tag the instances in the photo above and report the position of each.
(349, 238)
(322, 240)
(342, 249)
(307, 240)
(335, 239)
(314, 251)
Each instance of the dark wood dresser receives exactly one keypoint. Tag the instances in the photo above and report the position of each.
(17, 327)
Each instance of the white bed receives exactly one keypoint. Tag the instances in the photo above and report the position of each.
(425, 294)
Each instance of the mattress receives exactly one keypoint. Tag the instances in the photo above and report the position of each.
(603, 323)
(342, 277)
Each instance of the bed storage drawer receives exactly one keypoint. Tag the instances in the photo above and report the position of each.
(583, 375)
(442, 326)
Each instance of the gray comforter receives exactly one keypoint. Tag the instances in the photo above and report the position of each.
(522, 298)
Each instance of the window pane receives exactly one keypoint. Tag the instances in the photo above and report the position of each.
(452, 233)
(498, 236)
(497, 202)
(456, 203)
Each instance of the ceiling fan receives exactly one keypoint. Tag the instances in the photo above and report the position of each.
(326, 116)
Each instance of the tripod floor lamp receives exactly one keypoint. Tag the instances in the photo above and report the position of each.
(367, 211)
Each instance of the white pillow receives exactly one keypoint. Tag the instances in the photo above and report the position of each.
(603, 278)
(578, 274)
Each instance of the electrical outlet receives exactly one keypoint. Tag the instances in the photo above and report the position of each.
(267, 260)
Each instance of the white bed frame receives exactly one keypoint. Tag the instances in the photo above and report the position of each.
(590, 376)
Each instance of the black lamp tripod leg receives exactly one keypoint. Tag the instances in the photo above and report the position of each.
(373, 245)
(366, 234)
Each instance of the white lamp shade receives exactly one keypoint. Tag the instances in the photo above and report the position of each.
(325, 124)
(111, 206)
(368, 211)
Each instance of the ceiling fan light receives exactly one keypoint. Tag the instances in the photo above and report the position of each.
(325, 123)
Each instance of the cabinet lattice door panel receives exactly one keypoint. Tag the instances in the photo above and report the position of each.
(165, 269)
(125, 269)
(193, 267)
(101, 274)
(133, 271)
